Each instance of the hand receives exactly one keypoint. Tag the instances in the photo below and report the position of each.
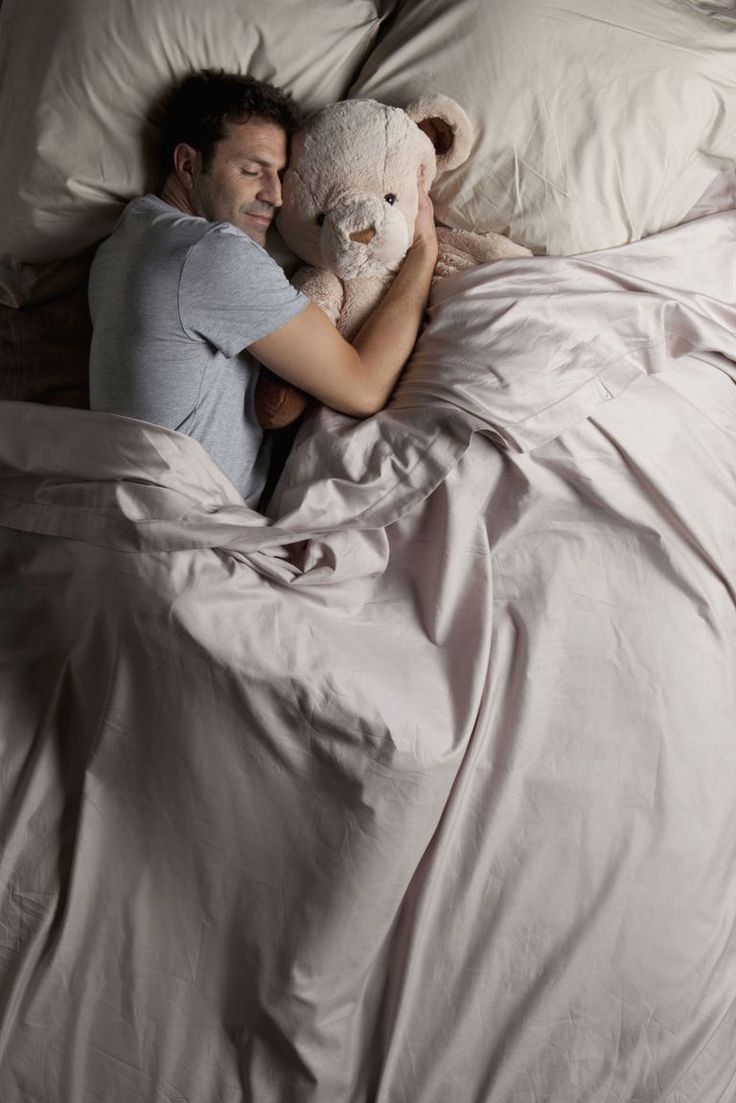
(425, 231)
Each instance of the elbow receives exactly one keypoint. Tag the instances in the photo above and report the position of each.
(368, 408)
(366, 403)
(365, 390)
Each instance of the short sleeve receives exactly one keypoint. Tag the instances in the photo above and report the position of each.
(232, 293)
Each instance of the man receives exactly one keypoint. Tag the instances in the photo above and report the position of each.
(186, 302)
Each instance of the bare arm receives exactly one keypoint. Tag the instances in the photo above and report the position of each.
(358, 379)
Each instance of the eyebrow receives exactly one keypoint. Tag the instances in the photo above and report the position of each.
(256, 160)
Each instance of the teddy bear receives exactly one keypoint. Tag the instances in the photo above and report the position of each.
(350, 200)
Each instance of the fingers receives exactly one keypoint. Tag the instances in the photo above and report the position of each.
(424, 201)
(422, 181)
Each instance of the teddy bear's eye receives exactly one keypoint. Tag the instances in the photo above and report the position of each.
(320, 219)
(390, 198)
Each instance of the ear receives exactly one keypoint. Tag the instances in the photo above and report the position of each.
(447, 127)
(187, 164)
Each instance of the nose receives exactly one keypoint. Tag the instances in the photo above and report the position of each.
(271, 192)
(364, 236)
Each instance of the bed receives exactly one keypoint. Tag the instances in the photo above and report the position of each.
(419, 786)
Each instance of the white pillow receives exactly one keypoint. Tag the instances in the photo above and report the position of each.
(597, 122)
(77, 82)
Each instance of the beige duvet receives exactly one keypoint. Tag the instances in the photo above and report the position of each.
(424, 789)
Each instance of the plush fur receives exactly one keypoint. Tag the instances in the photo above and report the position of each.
(350, 203)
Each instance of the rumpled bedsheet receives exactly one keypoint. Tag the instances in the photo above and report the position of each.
(421, 789)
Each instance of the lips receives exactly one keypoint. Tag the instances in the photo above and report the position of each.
(264, 219)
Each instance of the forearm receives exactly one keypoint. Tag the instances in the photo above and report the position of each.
(386, 339)
(358, 379)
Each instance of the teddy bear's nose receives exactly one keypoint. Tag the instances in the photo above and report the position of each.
(364, 236)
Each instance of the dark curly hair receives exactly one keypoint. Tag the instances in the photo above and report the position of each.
(199, 109)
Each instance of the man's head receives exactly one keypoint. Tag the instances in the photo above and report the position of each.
(226, 141)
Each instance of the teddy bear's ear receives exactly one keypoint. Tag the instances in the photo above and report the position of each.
(447, 127)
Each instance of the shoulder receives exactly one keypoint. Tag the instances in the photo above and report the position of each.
(164, 230)
(222, 253)
(233, 246)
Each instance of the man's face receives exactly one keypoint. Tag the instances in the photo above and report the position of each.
(243, 182)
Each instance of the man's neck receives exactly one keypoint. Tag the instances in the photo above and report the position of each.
(175, 194)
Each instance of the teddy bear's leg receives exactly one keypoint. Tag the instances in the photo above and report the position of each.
(277, 403)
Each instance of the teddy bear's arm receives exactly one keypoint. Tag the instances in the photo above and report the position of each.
(323, 288)
(461, 249)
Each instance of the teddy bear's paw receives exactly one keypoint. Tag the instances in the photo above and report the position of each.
(461, 248)
(448, 264)
(452, 253)
(505, 247)
(323, 288)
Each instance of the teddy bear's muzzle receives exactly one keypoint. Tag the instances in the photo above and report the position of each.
(357, 218)
(362, 236)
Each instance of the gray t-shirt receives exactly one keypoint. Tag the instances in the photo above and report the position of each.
(175, 300)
